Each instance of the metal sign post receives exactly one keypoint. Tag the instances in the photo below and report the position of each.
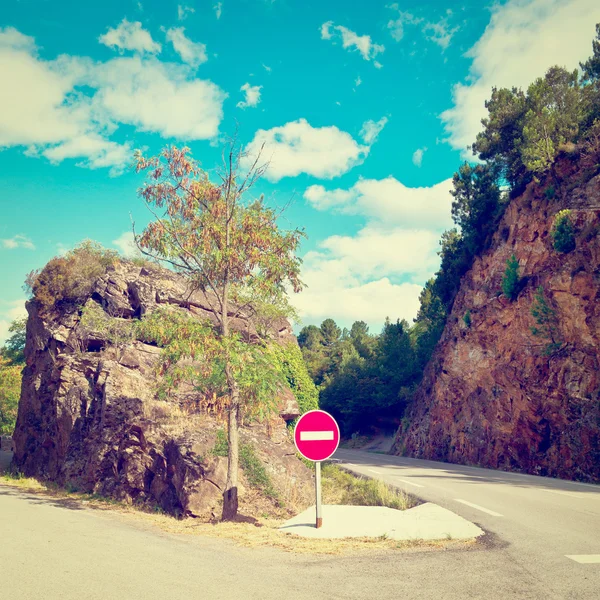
(318, 490)
(317, 436)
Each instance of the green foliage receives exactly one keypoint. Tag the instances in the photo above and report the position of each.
(330, 331)
(563, 232)
(553, 117)
(591, 67)
(10, 391)
(14, 348)
(289, 360)
(194, 354)
(68, 279)
(511, 280)
(94, 320)
(467, 318)
(550, 192)
(547, 322)
(255, 472)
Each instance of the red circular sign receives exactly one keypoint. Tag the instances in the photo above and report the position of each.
(316, 435)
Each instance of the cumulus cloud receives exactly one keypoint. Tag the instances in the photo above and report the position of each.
(184, 11)
(389, 201)
(159, 97)
(380, 271)
(371, 129)
(351, 40)
(191, 53)
(522, 40)
(43, 109)
(17, 241)
(252, 96)
(130, 36)
(417, 156)
(298, 147)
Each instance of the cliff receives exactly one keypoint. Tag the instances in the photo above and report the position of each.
(490, 395)
(90, 419)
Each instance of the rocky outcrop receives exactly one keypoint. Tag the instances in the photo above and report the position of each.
(490, 396)
(89, 417)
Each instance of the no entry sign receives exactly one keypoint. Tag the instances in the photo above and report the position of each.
(317, 435)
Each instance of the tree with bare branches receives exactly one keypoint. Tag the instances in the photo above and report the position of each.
(229, 245)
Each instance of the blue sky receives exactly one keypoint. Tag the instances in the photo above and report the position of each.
(366, 109)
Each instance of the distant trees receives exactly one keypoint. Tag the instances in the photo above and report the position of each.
(12, 359)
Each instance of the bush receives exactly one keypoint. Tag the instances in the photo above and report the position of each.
(563, 232)
(467, 318)
(68, 279)
(511, 280)
(10, 391)
(547, 322)
(550, 192)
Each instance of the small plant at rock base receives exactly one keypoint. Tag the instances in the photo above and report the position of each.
(547, 322)
(563, 232)
(467, 318)
(511, 280)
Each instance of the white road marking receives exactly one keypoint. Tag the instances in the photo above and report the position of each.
(476, 506)
(563, 493)
(584, 558)
(374, 471)
(409, 482)
(315, 436)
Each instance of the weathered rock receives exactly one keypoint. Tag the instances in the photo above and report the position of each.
(89, 419)
(489, 396)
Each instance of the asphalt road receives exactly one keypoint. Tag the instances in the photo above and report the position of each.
(55, 550)
(550, 528)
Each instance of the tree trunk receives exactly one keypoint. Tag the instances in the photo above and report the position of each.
(230, 495)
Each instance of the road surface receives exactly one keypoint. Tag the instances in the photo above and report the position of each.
(550, 528)
(57, 550)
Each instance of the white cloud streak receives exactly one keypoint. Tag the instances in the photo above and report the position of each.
(351, 40)
(17, 241)
(191, 53)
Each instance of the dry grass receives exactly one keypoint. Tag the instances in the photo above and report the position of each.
(252, 533)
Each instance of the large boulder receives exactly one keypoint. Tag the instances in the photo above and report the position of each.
(89, 417)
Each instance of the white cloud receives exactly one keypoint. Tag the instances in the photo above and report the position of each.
(371, 129)
(184, 11)
(351, 40)
(440, 32)
(252, 93)
(380, 271)
(357, 81)
(389, 201)
(130, 36)
(159, 97)
(17, 241)
(43, 111)
(267, 68)
(523, 39)
(417, 156)
(191, 53)
(298, 147)
(126, 244)
(218, 8)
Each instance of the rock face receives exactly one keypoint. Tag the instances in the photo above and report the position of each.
(89, 417)
(489, 395)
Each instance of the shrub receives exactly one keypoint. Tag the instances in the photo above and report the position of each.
(10, 390)
(547, 322)
(563, 232)
(550, 192)
(467, 318)
(118, 332)
(511, 279)
(68, 279)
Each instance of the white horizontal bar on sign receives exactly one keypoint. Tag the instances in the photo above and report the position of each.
(316, 436)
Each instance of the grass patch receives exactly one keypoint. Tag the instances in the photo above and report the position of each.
(341, 487)
(254, 470)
